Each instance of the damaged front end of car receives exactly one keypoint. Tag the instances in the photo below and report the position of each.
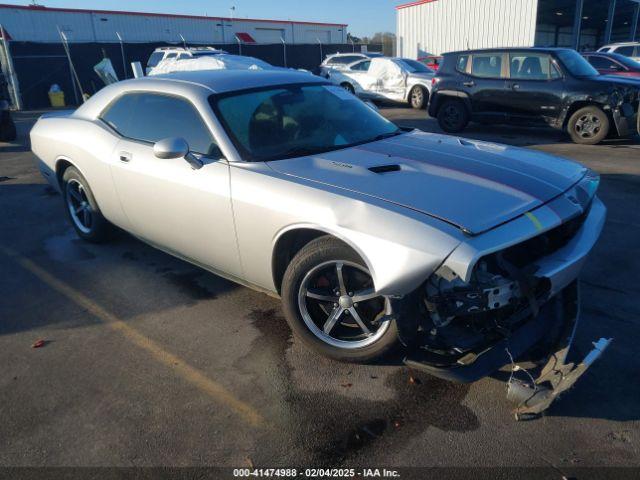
(463, 326)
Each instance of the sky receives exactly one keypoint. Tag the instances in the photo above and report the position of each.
(365, 17)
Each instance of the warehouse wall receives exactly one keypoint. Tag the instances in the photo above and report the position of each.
(41, 25)
(439, 26)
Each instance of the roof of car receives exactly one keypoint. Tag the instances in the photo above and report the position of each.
(509, 49)
(221, 81)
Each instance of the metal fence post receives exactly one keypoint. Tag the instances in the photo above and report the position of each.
(239, 45)
(320, 43)
(284, 51)
(124, 62)
(611, 16)
(16, 99)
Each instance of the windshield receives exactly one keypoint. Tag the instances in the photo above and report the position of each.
(576, 64)
(297, 120)
(413, 66)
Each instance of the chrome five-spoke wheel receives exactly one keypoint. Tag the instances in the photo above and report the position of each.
(340, 307)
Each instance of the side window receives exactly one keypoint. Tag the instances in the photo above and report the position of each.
(150, 117)
(463, 62)
(626, 50)
(183, 55)
(602, 63)
(531, 66)
(487, 65)
(361, 66)
(171, 55)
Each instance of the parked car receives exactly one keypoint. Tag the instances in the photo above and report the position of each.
(535, 86)
(286, 183)
(165, 53)
(396, 79)
(628, 49)
(341, 61)
(613, 64)
(222, 61)
(432, 61)
(7, 126)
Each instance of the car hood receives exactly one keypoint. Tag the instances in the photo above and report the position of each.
(617, 80)
(473, 185)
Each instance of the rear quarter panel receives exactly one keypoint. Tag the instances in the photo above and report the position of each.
(89, 147)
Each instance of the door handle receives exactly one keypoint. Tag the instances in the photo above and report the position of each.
(515, 86)
(125, 157)
(469, 84)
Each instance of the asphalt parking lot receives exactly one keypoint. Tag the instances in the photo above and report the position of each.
(149, 361)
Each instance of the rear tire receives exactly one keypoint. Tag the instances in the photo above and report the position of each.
(348, 87)
(588, 126)
(313, 294)
(453, 116)
(82, 208)
(418, 97)
(7, 129)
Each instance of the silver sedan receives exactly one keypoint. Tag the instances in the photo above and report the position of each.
(373, 236)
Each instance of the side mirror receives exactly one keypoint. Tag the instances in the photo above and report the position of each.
(176, 147)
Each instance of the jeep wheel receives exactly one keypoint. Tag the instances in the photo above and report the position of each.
(588, 126)
(453, 116)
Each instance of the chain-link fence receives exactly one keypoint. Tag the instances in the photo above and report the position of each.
(37, 66)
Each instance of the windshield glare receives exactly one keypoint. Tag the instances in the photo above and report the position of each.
(297, 120)
(576, 64)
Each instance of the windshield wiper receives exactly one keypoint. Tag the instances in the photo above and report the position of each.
(382, 136)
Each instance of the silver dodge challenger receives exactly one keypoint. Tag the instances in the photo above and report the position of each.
(462, 254)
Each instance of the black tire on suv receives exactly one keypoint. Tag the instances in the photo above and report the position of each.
(588, 125)
(453, 116)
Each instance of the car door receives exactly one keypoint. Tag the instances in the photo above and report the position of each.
(359, 73)
(166, 202)
(485, 82)
(535, 88)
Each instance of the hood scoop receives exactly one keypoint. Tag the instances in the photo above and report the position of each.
(385, 168)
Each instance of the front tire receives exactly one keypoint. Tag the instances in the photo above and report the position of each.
(330, 304)
(453, 116)
(82, 209)
(588, 126)
(418, 97)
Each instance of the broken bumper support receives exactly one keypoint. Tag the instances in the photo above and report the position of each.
(555, 326)
(556, 377)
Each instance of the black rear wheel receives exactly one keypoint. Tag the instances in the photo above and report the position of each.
(453, 116)
(82, 208)
(348, 87)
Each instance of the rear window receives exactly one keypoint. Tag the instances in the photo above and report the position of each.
(463, 62)
(343, 60)
(487, 65)
(154, 59)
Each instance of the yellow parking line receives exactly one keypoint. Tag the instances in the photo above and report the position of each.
(192, 375)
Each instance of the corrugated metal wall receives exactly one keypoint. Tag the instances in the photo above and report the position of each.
(40, 25)
(440, 26)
